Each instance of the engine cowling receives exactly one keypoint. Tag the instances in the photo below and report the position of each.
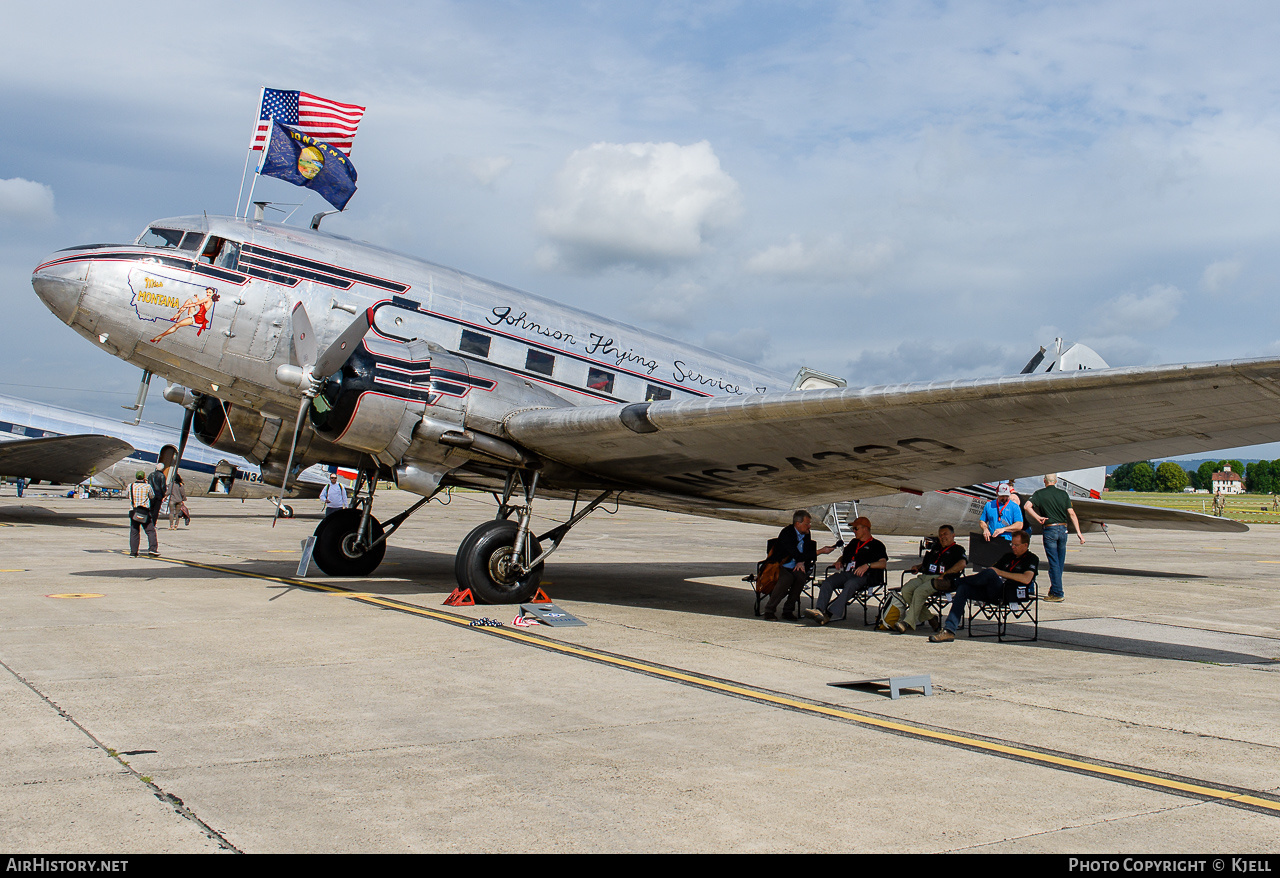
(263, 440)
(376, 400)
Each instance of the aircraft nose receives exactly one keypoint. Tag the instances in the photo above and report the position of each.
(60, 285)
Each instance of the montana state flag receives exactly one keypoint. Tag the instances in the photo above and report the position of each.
(302, 160)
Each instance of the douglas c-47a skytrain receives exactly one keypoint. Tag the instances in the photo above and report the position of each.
(302, 347)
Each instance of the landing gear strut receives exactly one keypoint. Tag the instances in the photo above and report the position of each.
(352, 542)
(501, 561)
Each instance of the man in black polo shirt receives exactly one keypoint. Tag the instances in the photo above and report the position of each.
(999, 583)
(938, 570)
(861, 566)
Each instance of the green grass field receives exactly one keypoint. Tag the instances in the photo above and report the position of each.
(1249, 508)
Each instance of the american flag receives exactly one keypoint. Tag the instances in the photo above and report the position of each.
(327, 121)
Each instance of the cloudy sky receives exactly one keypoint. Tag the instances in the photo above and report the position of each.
(887, 191)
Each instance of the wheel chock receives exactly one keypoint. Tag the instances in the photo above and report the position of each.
(460, 597)
(540, 598)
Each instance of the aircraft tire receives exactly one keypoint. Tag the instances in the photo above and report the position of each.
(286, 512)
(479, 562)
(332, 553)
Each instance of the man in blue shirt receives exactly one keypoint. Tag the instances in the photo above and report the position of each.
(1001, 517)
(795, 550)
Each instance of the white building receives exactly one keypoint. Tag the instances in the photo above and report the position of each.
(1228, 482)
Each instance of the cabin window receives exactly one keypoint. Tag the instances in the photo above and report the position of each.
(475, 343)
(191, 241)
(598, 379)
(537, 361)
(654, 393)
(156, 237)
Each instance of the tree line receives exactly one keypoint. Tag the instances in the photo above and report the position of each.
(1260, 477)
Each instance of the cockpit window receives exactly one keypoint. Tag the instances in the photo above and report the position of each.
(157, 237)
(221, 252)
(191, 241)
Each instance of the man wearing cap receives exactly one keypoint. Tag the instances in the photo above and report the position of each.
(1001, 518)
(861, 566)
(140, 496)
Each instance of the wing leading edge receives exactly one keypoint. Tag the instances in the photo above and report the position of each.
(67, 460)
(807, 447)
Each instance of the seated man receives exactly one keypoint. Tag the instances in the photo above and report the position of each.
(794, 549)
(938, 570)
(993, 584)
(861, 566)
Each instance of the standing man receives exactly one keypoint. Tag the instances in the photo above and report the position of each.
(1050, 507)
(938, 571)
(998, 583)
(861, 566)
(795, 550)
(334, 496)
(21, 483)
(159, 485)
(1001, 517)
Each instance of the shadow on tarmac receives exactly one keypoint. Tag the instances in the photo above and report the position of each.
(1125, 571)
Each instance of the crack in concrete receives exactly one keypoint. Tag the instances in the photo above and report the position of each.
(1103, 822)
(166, 797)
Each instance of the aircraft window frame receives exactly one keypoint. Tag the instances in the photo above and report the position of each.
(195, 239)
(170, 237)
(654, 393)
(475, 343)
(540, 362)
(600, 380)
(219, 251)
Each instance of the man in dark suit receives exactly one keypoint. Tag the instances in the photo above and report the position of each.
(795, 550)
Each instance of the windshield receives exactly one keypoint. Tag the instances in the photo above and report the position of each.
(157, 237)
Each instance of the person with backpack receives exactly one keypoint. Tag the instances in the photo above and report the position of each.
(141, 517)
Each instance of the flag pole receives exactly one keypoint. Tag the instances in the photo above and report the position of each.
(257, 172)
(262, 93)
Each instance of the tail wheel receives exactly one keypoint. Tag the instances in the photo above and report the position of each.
(485, 560)
(286, 512)
(336, 552)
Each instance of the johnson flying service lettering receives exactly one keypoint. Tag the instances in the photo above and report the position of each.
(601, 345)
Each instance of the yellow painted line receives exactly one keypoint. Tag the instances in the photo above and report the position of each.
(15, 570)
(75, 595)
(1079, 764)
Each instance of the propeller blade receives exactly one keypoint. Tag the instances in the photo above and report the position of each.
(297, 427)
(304, 337)
(182, 443)
(337, 354)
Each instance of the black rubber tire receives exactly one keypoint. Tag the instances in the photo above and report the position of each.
(476, 572)
(286, 512)
(331, 535)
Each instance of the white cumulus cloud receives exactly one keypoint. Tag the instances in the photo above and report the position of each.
(25, 201)
(636, 203)
(1219, 275)
(1133, 313)
(829, 259)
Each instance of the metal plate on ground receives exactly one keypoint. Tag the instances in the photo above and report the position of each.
(308, 546)
(895, 685)
(550, 614)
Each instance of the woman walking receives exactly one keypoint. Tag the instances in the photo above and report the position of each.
(140, 517)
(178, 504)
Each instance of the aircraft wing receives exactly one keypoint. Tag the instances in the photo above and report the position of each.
(803, 448)
(1134, 515)
(67, 460)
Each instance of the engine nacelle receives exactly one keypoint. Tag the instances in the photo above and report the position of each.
(376, 401)
(263, 440)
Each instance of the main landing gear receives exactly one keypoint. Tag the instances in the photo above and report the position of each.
(352, 542)
(501, 560)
